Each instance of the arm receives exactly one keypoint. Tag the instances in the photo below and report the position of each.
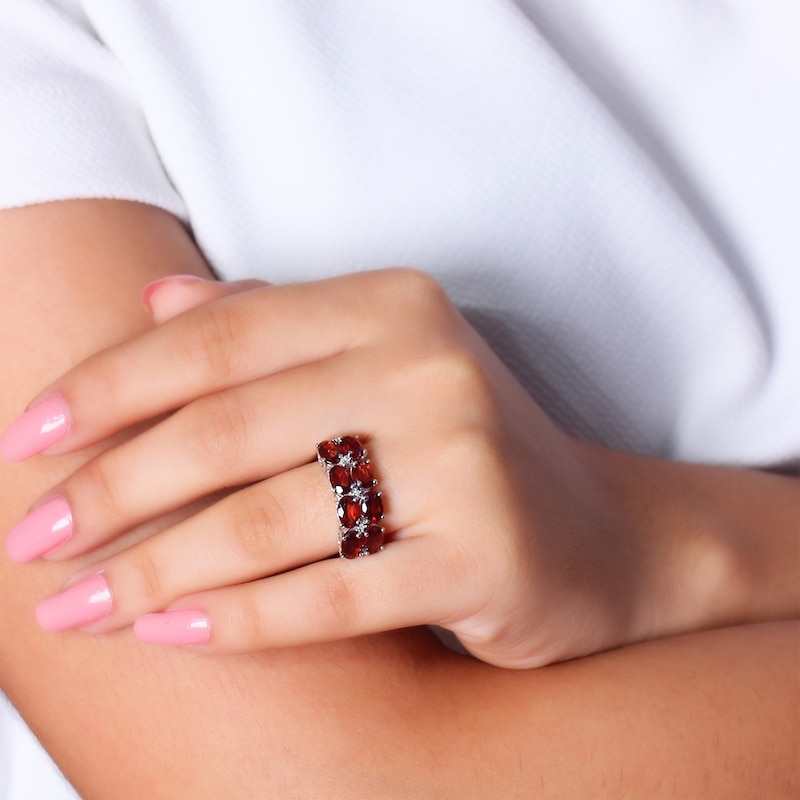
(123, 720)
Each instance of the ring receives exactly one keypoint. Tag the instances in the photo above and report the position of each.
(359, 505)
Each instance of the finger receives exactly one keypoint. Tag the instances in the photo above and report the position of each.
(227, 440)
(176, 294)
(400, 587)
(270, 527)
(217, 345)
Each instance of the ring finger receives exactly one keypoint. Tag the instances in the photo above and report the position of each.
(328, 600)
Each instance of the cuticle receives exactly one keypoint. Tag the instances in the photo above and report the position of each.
(47, 498)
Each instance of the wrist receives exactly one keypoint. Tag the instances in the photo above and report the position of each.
(707, 546)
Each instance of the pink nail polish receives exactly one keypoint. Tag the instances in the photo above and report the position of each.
(154, 286)
(180, 626)
(37, 429)
(87, 601)
(42, 531)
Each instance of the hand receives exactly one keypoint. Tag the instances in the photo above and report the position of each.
(497, 528)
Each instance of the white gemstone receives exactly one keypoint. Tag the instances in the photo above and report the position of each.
(358, 491)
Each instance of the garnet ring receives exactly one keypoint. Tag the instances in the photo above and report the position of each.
(358, 503)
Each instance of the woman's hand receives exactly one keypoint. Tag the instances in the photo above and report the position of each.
(499, 527)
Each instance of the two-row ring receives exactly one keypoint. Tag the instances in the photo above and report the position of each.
(359, 504)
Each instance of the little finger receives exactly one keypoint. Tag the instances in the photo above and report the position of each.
(328, 600)
(272, 526)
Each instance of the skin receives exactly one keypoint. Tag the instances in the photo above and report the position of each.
(124, 720)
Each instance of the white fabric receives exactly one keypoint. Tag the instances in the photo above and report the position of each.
(26, 772)
(609, 190)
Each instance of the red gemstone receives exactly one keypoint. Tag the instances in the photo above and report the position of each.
(362, 472)
(349, 510)
(329, 451)
(373, 507)
(351, 545)
(366, 543)
(351, 446)
(373, 537)
(340, 479)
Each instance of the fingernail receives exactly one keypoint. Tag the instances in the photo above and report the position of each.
(37, 429)
(86, 601)
(154, 286)
(42, 531)
(180, 626)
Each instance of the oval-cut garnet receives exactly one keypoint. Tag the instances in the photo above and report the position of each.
(362, 472)
(340, 479)
(349, 510)
(364, 544)
(373, 538)
(351, 446)
(351, 545)
(329, 451)
(373, 507)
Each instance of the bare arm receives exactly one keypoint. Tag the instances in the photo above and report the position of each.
(388, 716)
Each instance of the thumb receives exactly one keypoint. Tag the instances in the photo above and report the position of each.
(168, 297)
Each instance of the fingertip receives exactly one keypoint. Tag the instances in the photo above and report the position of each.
(43, 425)
(80, 604)
(152, 288)
(43, 530)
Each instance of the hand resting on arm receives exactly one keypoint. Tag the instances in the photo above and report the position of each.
(530, 546)
(124, 720)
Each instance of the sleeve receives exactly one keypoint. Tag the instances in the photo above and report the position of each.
(70, 125)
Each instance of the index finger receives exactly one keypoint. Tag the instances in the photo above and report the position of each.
(216, 346)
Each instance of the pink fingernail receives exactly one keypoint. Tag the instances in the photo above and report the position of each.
(37, 429)
(154, 286)
(180, 626)
(42, 531)
(87, 601)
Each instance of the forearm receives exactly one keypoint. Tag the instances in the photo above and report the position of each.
(709, 546)
(389, 716)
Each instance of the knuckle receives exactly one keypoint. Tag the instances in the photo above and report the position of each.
(220, 431)
(459, 368)
(335, 603)
(415, 282)
(461, 382)
(249, 626)
(413, 291)
(404, 299)
(100, 488)
(103, 377)
(143, 580)
(215, 346)
(253, 528)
